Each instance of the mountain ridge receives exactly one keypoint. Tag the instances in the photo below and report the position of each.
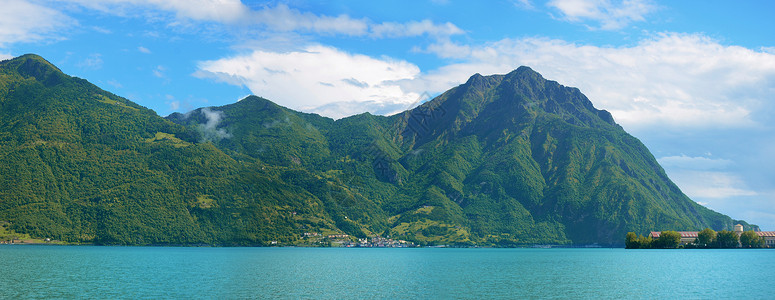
(502, 160)
(474, 111)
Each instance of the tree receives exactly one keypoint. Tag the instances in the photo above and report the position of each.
(750, 239)
(631, 241)
(705, 238)
(645, 242)
(669, 239)
(726, 239)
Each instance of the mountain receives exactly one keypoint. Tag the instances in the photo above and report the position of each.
(501, 160)
(505, 159)
(80, 164)
(532, 160)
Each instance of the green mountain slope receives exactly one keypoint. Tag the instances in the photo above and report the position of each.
(505, 159)
(533, 161)
(80, 164)
(500, 160)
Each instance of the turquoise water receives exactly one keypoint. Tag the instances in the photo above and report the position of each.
(298, 273)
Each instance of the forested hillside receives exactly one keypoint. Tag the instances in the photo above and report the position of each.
(502, 160)
(83, 165)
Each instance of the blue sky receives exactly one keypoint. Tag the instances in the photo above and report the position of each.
(694, 80)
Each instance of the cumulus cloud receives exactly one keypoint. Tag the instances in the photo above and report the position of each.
(676, 80)
(609, 14)
(318, 77)
(23, 21)
(681, 80)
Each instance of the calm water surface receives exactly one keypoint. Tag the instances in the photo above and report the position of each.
(294, 273)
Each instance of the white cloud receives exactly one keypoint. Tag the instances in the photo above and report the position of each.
(680, 80)
(115, 83)
(280, 17)
(764, 219)
(610, 14)
(710, 184)
(523, 4)
(174, 105)
(210, 130)
(159, 71)
(706, 178)
(414, 28)
(93, 62)
(225, 11)
(713, 183)
(23, 21)
(753, 209)
(318, 79)
(101, 30)
(349, 108)
(283, 18)
(694, 163)
(143, 50)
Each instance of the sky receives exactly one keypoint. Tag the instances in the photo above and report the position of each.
(693, 80)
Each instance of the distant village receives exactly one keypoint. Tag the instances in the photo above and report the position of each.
(27, 241)
(344, 240)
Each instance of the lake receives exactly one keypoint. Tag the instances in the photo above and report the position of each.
(298, 273)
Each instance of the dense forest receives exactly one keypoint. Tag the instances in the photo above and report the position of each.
(502, 160)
